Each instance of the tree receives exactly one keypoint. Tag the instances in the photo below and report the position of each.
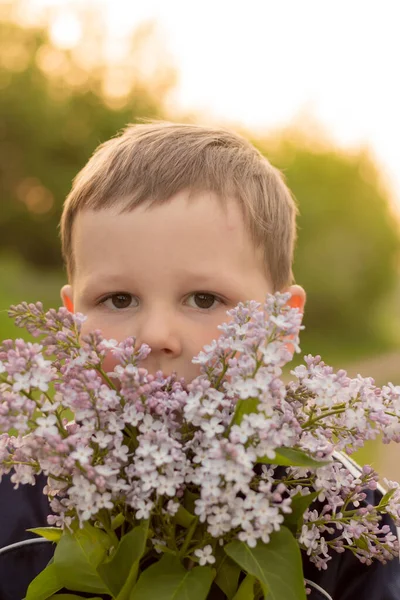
(347, 254)
(54, 113)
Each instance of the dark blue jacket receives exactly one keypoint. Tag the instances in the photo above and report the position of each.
(345, 579)
(21, 509)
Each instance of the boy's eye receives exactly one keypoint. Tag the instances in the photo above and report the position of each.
(204, 300)
(118, 301)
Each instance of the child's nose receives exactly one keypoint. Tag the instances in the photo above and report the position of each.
(160, 331)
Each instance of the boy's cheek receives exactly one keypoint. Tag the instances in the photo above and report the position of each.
(92, 324)
(109, 362)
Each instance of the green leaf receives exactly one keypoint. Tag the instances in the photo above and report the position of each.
(246, 589)
(362, 543)
(77, 557)
(169, 580)
(183, 517)
(189, 500)
(72, 597)
(228, 573)
(244, 407)
(385, 499)
(120, 571)
(50, 533)
(44, 585)
(299, 506)
(276, 565)
(291, 457)
(117, 521)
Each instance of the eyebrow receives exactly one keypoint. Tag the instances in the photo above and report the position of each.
(101, 282)
(212, 280)
(201, 279)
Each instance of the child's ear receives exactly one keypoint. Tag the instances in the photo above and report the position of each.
(66, 297)
(298, 298)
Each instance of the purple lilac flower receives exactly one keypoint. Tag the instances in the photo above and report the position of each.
(143, 442)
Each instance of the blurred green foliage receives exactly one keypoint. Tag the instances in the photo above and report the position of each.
(347, 255)
(20, 281)
(54, 113)
(53, 116)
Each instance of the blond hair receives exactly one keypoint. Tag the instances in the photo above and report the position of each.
(150, 163)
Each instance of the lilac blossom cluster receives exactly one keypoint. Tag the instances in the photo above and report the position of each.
(126, 445)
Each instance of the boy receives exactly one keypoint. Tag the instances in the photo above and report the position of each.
(166, 228)
(156, 245)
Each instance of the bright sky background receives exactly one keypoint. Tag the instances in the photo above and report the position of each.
(266, 63)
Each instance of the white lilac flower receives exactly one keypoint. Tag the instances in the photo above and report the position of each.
(245, 388)
(47, 426)
(206, 354)
(172, 507)
(121, 452)
(205, 555)
(150, 480)
(22, 381)
(310, 534)
(106, 470)
(212, 427)
(131, 415)
(108, 344)
(78, 361)
(82, 454)
(143, 509)
(102, 438)
(146, 447)
(250, 537)
(107, 399)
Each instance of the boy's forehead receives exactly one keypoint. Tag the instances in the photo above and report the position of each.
(186, 205)
(185, 231)
(185, 216)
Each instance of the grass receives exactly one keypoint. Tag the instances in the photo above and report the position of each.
(20, 282)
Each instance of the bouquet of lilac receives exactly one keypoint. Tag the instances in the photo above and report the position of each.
(209, 489)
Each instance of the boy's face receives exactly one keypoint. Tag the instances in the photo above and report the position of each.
(166, 275)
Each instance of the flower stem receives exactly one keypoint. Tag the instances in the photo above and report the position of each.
(188, 538)
(336, 411)
(105, 377)
(105, 520)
